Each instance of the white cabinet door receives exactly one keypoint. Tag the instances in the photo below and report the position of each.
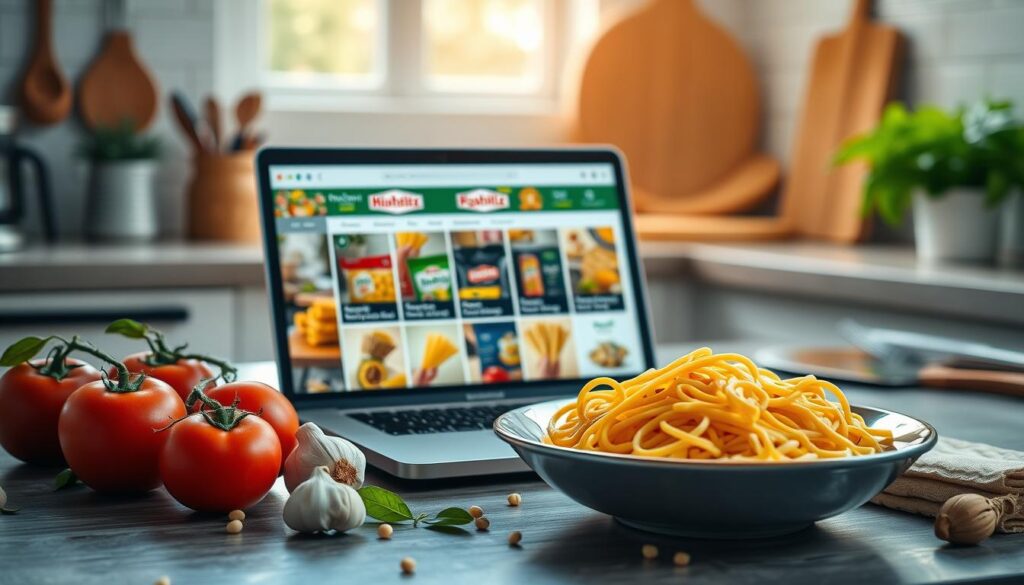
(203, 317)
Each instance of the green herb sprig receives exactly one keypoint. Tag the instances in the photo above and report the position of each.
(387, 506)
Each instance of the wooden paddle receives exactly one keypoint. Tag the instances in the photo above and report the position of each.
(852, 77)
(117, 88)
(45, 92)
(677, 94)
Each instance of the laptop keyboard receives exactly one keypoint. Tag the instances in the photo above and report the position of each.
(433, 420)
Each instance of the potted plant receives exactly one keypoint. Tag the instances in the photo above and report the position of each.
(955, 169)
(122, 202)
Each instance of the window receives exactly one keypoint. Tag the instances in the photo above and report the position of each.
(481, 45)
(324, 42)
(334, 53)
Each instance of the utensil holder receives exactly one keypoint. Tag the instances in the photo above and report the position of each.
(223, 200)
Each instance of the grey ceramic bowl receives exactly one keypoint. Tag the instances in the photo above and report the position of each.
(714, 499)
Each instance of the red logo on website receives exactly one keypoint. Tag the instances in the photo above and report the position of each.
(483, 273)
(482, 200)
(395, 202)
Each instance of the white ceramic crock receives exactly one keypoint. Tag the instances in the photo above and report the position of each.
(956, 226)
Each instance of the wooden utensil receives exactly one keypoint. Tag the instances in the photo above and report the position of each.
(246, 111)
(852, 77)
(45, 92)
(187, 120)
(212, 112)
(117, 88)
(677, 94)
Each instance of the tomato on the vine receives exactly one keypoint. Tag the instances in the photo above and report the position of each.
(31, 397)
(268, 403)
(109, 432)
(181, 369)
(183, 375)
(220, 460)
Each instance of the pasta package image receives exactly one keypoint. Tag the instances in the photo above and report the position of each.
(537, 264)
(494, 353)
(377, 355)
(550, 350)
(481, 269)
(435, 355)
(366, 278)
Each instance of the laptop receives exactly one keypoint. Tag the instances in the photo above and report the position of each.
(418, 294)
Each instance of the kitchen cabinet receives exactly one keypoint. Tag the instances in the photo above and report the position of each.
(206, 317)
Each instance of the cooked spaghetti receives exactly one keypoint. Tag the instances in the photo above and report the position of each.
(708, 406)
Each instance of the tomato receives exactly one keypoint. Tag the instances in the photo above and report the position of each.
(182, 375)
(110, 438)
(30, 405)
(276, 409)
(494, 374)
(211, 469)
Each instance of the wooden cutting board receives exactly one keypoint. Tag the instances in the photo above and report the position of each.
(678, 96)
(851, 79)
(117, 87)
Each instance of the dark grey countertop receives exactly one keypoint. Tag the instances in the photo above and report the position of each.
(884, 276)
(76, 536)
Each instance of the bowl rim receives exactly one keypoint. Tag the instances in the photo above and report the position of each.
(914, 450)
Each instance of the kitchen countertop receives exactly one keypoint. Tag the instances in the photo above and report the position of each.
(78, 536)
(882, 275)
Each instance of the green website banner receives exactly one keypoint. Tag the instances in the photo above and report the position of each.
(320, 202)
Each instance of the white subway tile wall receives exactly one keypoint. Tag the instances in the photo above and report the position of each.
(173, 37)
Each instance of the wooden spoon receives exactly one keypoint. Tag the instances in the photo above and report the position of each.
(45, 92)
(246, 110)
(212, 112)
(117, 88)
(187, 121)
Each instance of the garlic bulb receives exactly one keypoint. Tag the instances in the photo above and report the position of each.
(967, 519)
(320, 503)
(345, 462)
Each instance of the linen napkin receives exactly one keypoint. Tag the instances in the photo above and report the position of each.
(960, 467)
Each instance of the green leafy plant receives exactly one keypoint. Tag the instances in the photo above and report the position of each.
(119, 143)
(979, 146)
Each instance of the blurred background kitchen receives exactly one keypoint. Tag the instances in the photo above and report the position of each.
(139, 118)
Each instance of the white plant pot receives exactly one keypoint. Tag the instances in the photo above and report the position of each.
(956, 226)
(122, 201)
(1011, 232)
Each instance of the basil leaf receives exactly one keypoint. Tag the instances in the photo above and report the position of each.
(22, 351)
(384, 505)
(65, 479)
(450, 517)
(129, 328)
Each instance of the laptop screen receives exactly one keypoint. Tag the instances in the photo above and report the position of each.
(399, 277)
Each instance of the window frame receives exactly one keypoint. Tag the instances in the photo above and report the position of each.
(401, 88)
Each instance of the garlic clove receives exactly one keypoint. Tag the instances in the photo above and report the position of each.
(344, 461)
(320, 504)
(967, 519)
(3, 497)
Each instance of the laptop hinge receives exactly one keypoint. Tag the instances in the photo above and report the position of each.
(489, 395)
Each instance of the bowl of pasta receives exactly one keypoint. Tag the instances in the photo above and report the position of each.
(713, 446)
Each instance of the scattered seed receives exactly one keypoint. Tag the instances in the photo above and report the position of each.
(515, 499)
(384, 531)
(649, 551)
(234, 527)
(681, 559)
(408, 565)
(165, 580)
(236, 515)
(514, 538)
(482, 523)
(476, 511)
